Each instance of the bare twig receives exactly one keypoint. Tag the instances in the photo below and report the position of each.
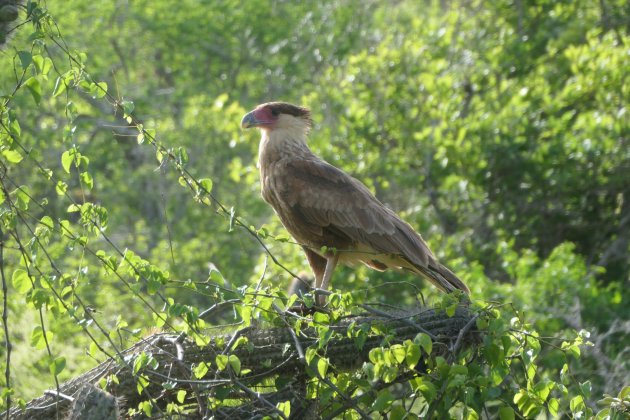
(353, 404)
(5, 323)
(460, 337)
(262, 276)
(258, 397)
(58, 394)
(296, 342)
(235, 336)
(217, 306)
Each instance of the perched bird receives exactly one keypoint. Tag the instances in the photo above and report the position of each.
(333, 216)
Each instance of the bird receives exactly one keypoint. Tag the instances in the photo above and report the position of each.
(333, 216)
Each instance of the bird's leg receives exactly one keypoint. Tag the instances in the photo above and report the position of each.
(318, 265)
(331, 263)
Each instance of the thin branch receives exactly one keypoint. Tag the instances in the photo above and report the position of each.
(264, 273)
(353, 404)
(460, 337)
(296, 342)
(5, 323)
(58, 395)
(218, 306)
(258, 397)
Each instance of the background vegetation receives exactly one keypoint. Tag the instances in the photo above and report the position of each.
(500, 130)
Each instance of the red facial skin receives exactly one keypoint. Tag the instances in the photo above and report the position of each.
(265, 116)
(261, 118)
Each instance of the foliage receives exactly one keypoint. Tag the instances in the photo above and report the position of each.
(498, 130)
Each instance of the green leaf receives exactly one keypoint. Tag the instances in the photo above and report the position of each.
(528, 406)
(412, 355)
(232, 216)
(145, 406)
(322, 366)
(181, 396)
(564, 376)
(61, 188)
(425, 387)
(235, 363)
(94, 351)
(42, 64)
(554, 407)
(577, 404)
(38, 340)
(57, 365)
(206, 185)
(60, 86)
(383, 400)
(140, 362)
(26, 58)
(321, 318)
(23, 198)
(35, 87)
(397, 413)
(182, 156)
(127, 107)
(390, 373)
(493, 354)
(66, 159)
(6, 392)
(284, 408)
(14, 128)
(424, 341)
(141, 383)
(399, 353)
(586, 388)
(311, 352)
(222, 361)
(376, 355)
(21, 281)
(543, 388)
(202, 369)
(87, 180)
(98, 90)
(506, 413)
(73, 208)
(39, 298)
(604, 414)
(457, 370)
(12, 156)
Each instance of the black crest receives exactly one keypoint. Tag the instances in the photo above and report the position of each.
(290, 109)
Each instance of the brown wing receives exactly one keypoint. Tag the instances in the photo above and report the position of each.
(323, 197)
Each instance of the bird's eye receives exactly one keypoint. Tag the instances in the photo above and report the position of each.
(274, 112)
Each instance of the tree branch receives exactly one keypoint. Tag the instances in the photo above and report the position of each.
(267, 353)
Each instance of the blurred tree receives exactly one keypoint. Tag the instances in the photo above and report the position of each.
(130, 200)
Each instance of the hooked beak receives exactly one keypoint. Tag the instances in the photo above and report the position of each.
(249, 120)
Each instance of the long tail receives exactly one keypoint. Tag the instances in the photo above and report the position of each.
(443, 278)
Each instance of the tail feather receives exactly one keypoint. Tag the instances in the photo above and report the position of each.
(443, 278)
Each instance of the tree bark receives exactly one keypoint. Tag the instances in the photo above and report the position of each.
(268, 353)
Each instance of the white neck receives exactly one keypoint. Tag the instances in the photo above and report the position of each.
(287, 138)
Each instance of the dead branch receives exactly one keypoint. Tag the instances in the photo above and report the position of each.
(267, 353)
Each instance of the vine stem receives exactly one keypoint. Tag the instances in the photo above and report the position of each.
(5, 323)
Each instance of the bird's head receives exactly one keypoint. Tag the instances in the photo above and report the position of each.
(278, 115)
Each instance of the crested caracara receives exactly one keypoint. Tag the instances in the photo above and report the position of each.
(333, 216)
